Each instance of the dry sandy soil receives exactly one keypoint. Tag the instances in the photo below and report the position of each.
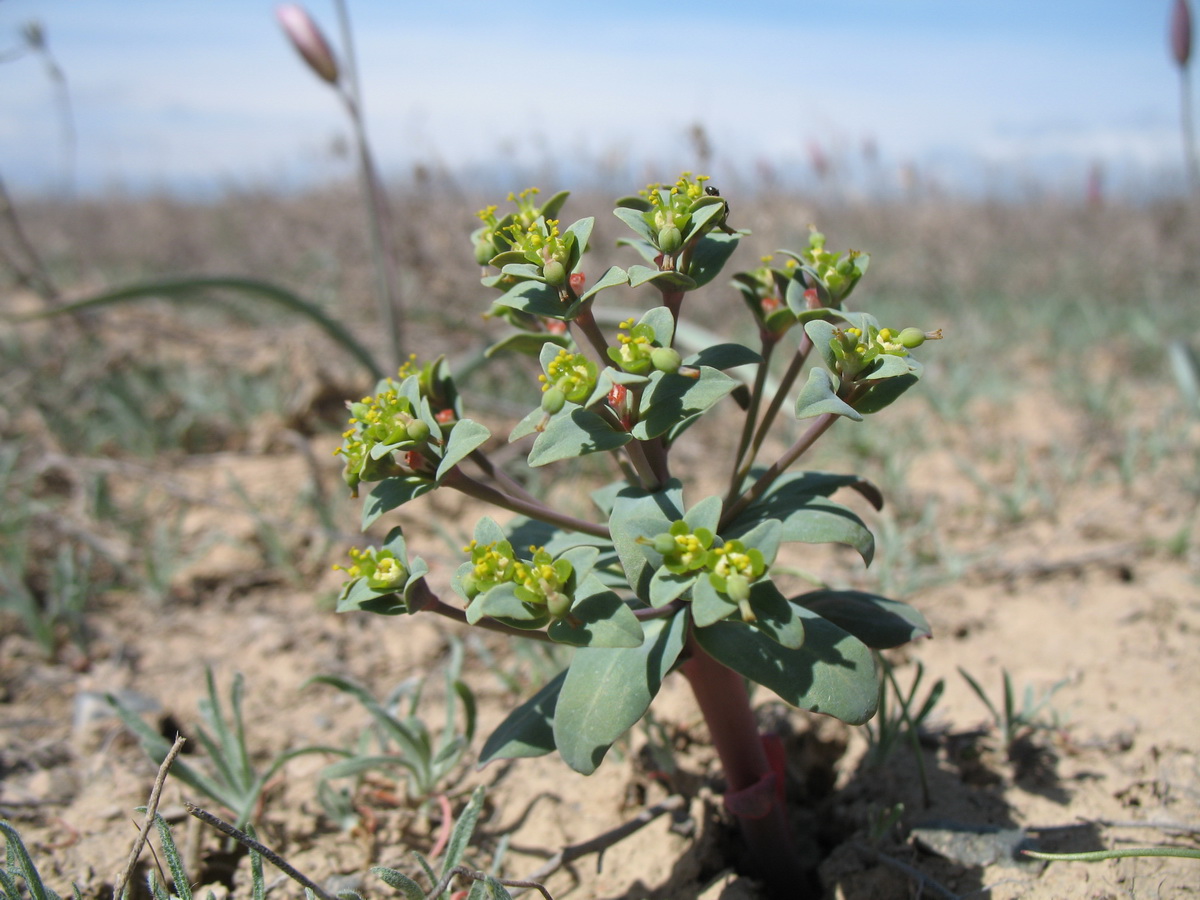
(1038, 538)
(1095, 588)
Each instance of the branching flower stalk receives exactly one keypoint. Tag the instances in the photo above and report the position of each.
(662, 580)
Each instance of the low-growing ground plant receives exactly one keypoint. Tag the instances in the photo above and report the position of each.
(233, 780)
(665, 575)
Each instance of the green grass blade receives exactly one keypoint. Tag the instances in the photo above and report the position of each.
(185, 289)
(183, 888)
(1100, 855)
(410, 744)
(18, 858)
(463, 829)
(399, 881)
(982, 695)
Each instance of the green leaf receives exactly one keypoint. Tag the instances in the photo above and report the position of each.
(664, 280)
(662, 323)
(724, 356)
(573, 432)
(709, 256)
(465, 437)
(633, 218)
(884, 394)
(833, 672)
(704, 514)
(463, 829)
(529, 343)
(878, 622)
(582, 232)
(599, 619)
(636, 513)
(614, 276)
(777, 618)
(550, 208)
(529, 729)
(359, 595)
(399, 881)
(503, 604)
(671, 399)
(666, 585)
(820, 332)
(645, 249)
(391, 493)
(819, 397)
(607, 690)
(538, 299)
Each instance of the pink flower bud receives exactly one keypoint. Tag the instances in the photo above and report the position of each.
(308, 40)
(1181, 33)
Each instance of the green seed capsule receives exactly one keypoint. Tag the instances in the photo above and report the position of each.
(417, 430)
(666, 359)
(911, 337)
(555, 273)
(664, 544)
(553, 401)
(670, 239)
(484, 251)
(738, 588)
(558, 605)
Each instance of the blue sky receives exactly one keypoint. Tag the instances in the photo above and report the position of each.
(196, 94)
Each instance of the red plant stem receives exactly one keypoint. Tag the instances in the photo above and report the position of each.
(722, 697)
(446, 827)
(459, 480)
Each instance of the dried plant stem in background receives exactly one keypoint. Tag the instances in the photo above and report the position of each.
(151, 811)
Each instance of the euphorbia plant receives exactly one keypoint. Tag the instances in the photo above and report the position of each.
(660, 579)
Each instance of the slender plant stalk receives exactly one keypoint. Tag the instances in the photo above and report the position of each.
(1187, 126)
(464, 483)
(819, 426)
(776, 404)
(379, 217)
(756, 394)
(425, 600)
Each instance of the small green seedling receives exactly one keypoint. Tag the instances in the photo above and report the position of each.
(233, 781)
(1012, 722)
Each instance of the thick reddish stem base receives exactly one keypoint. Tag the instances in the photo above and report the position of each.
(755, 795)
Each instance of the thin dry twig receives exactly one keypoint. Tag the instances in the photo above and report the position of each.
(261, 849)
(602, 842)
(151, 809)
(482, 876)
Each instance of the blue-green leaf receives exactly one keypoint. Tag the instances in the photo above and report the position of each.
(465, 437)
(832, 672)
(575, 431)
(671, 399)
(599, 618)
(634, 220)
(665, 280)
(819, 397)
(529, 343)
(391, 493)
(709, 256)
(614, 276)
(884, 393)
(724, 356)
(878, 622)
(529, 729)
(607, 690)
(636, 513)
